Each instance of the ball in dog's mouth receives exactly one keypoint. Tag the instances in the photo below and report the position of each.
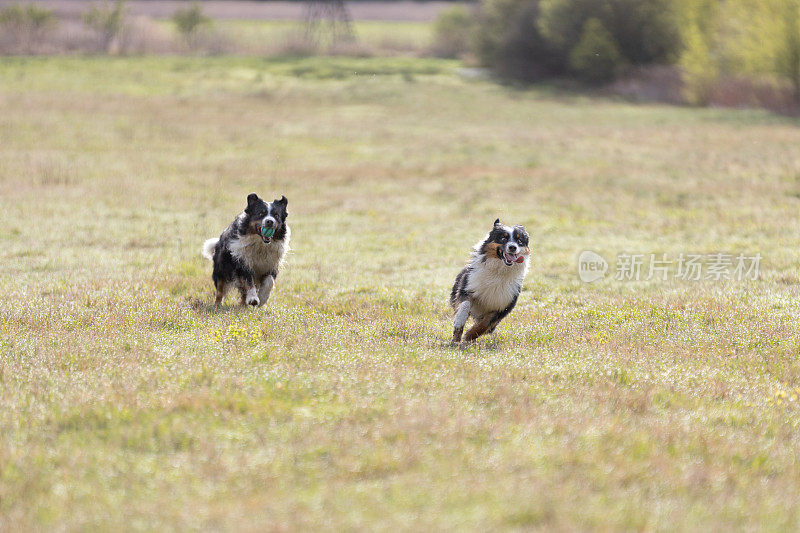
(266, 234)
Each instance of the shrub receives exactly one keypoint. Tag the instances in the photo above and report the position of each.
(536, 38)
(700, 71)
(28, 15)
(453, 32)
(508, 40)
(26, 25)
(646, 31)
(725, 43)
(188, 21)
(108, 21)
(595, 58)
(788, 61)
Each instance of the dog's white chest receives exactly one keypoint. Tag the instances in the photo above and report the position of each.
(261, 258)
(493, 288)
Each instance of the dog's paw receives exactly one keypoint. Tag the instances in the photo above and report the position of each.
(252, 300)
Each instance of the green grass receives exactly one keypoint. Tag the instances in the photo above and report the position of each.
(127, 401)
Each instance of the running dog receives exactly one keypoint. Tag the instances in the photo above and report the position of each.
(249, 253)
(488, 287)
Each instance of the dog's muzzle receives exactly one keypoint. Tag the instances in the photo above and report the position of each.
(511, 255)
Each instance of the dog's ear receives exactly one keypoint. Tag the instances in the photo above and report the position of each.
(497, 222)
(252, 198)
(282, 203)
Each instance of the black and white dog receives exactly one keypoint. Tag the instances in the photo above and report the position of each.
(488, 287)
(249, 253)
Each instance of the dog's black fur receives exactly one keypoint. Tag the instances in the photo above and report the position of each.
(246, 259)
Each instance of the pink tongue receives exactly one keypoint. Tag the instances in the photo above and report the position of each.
(521, 259)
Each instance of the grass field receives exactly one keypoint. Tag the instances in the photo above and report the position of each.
(127, 401)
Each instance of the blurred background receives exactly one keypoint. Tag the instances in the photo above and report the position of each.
(731, 53)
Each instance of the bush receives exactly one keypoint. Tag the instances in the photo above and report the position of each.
(788, 61)
(26, 25)
(595, 58)
(508, 41)
(453, 32)
(188, 21)
(108, 21)
(646, 31)
(531, 39)
(725, 44)
(700, 71)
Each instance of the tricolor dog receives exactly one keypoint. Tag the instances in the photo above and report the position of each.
(488, 287)
(250, 251)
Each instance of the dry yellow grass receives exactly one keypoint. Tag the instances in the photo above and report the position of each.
(127, 401)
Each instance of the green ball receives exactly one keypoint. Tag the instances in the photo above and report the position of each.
(267, 232)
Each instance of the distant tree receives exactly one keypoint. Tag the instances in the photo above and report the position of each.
(740, 38)
(788, 63)
(189, 21)
(26, 24)
(108, 20)
(596, 57)
(452, 32)
(328, 23)
(537, 38)
(646, 31)
(700, 70)
(508, 40)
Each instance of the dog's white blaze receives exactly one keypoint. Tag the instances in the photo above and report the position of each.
(269, 217)
(462, 314)
(510, 240)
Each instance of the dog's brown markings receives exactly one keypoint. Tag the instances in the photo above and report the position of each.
(222, 288)
(479, 328)
(491, 250)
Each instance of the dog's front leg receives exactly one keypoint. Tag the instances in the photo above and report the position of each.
(266, 288)
(251, 296)
(462, 313)
(479, 328)
(247, 287)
